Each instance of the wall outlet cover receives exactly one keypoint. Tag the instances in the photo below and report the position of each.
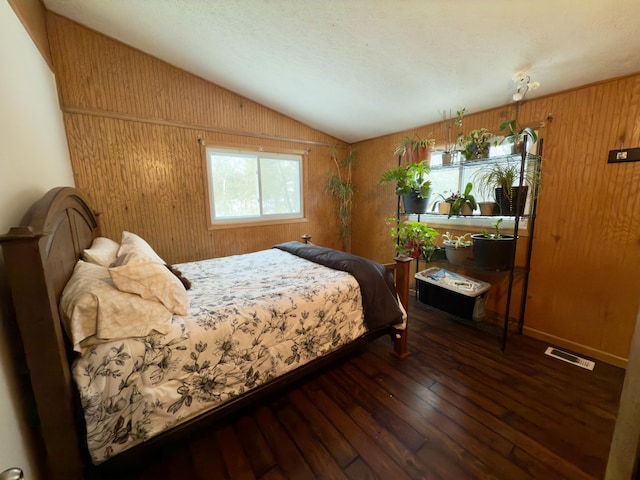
(624, 155)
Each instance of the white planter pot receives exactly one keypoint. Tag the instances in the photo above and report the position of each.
(456, 256)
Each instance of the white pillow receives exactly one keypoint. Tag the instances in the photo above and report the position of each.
(103, 251)
(134, 249)
(91, 306)
(152, 281)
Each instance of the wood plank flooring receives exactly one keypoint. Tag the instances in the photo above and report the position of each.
(457, 408)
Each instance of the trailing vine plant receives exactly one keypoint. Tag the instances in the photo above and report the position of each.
(339, 185)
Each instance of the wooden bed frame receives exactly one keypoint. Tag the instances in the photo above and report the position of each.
(39, 259)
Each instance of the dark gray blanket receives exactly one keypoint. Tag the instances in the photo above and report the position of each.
(379, 298)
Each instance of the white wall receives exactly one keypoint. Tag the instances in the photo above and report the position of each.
(34, 157)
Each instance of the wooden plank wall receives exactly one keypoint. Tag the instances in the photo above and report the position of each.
(133, 124)
(584, 290)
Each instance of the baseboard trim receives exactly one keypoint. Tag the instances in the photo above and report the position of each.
(576, 347)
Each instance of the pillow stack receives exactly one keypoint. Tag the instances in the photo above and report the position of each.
(138, 269)
(120, 290)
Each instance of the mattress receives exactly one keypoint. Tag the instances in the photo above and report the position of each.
(252, 318)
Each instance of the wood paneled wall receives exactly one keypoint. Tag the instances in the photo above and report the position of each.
(584, 290)
(133, 124)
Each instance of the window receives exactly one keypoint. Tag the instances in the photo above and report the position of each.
(454, 178)
(446, 179)
(249, 186)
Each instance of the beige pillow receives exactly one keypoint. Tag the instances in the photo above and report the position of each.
(152, 281)
(91, 306)
(134, 249)
(103, 251)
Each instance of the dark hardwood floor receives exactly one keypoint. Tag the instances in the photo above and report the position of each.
(457, 408)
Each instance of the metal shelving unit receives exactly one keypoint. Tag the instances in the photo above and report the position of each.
(533, 164)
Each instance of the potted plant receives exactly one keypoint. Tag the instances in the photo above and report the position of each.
(512, 131)
(413, 239)
(412, 183)
(499, 178)
(494, 250)
(415, 149)
(515, 135)
(443, 205)
(488, 209)
(456, 247)
(340, 186)
(462, 204)
(448, 125)
(475, 144)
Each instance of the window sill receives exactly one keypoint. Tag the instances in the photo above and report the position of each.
(472, 222)
(255, 223)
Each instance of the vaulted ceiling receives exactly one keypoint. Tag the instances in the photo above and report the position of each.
(358, 69)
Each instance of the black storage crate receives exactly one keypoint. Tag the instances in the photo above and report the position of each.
(462, 303)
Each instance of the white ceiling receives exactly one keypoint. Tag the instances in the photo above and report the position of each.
(358, 69)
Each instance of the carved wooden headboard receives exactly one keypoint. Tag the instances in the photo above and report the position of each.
(39, 259)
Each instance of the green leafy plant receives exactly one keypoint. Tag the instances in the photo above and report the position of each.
(513, 134)
(456, 241)
(443, 199)
(413, 144)
(496, 235)
(503, 175)
(448, 125)
(475, 144)
(413, 239)
(339, 185)
(458, 200)
(410, 178)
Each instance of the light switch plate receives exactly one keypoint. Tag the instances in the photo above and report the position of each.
(624, 155)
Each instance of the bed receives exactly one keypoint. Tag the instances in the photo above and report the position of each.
(266, 319)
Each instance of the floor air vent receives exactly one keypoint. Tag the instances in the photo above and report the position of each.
(570, 358)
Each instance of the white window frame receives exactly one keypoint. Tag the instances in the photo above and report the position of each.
(261, 218)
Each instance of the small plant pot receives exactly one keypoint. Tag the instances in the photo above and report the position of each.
(466, 209)
(488, 208)
(443, 208)
(456, 256)
(495, 254)
(424, 153)
(509, 208)
(446, 158)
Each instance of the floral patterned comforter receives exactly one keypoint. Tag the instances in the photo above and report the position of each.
(252, 318)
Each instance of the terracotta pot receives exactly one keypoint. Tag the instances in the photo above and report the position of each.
(408, 153)
(466, 209)
(443, 208)
(488, 208)
(424, 153)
